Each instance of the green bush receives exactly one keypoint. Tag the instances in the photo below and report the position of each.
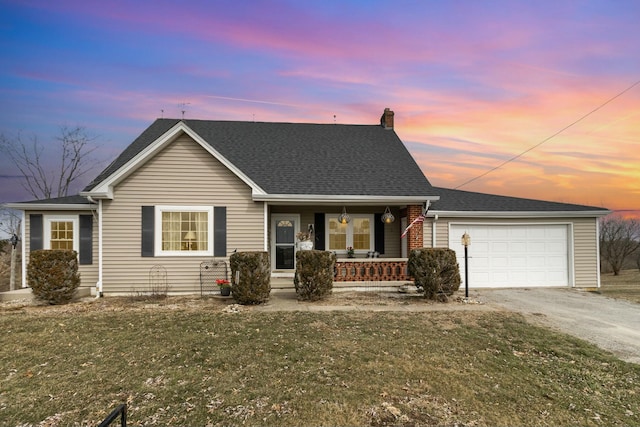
(250, 277)
(53, 275)
(435, 271)
(314, 274)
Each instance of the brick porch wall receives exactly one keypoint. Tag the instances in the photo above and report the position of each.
(415, 235)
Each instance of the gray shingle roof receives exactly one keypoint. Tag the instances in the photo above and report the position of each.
(467, 201)
(67, 200)
(302, 158)
(327, 159)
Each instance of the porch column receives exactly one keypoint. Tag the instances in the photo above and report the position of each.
(415, 234)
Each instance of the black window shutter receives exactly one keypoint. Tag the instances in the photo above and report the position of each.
(219, 231)
(148, 219)
(378, 228)
(86, 239)
(318, 226)
(35, 235)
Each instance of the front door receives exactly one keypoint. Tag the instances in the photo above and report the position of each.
(284, 229)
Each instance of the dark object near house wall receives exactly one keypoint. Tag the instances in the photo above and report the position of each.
(250, 277)
(53, 275)
(435, 271)
(314, 274)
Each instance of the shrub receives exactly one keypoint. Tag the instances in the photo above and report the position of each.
(314, 274)
(250, 277)
(435, 271)
(53, 275)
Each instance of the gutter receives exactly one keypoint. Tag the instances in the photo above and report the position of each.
(522, 214)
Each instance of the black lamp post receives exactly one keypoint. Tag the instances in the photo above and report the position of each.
(466, 242)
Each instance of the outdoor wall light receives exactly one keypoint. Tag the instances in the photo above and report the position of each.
(344, 217)
(387, 216)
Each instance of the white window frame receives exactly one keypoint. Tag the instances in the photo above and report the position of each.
(157, 229)
(48, 219)
(372, 237)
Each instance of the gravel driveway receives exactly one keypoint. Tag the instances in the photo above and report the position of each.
(611, 324)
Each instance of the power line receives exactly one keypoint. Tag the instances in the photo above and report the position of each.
(548, 138)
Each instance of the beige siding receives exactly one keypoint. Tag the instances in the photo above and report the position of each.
(183, 174)
(88, 273)
(585, 250)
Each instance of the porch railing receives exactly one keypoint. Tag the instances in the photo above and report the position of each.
(371, 270)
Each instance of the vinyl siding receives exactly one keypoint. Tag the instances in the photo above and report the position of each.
(586, 252)
(582, 242)
(183, 174)
(88, 272)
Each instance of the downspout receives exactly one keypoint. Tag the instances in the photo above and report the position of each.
(433, 231)
(23, 262)
(99, 282)
(266, 227)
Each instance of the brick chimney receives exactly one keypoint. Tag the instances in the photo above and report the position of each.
(386, 121)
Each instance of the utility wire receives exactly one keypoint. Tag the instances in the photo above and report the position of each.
(548, 138)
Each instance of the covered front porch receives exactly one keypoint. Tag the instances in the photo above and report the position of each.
(367, 240)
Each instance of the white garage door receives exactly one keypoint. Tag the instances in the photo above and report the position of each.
(513, 255)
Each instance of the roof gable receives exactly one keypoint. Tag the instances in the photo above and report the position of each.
(296, 158)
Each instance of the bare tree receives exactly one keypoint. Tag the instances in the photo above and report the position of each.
(44, 179)
(619, 239)
(10, 223)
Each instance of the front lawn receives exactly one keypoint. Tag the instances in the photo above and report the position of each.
(177, 363)
(626, 285)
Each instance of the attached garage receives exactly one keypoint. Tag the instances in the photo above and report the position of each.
(514, 255)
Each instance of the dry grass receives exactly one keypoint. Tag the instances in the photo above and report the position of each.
(624, 286)
(200, 362)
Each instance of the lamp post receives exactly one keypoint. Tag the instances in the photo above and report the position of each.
(466, 242)
(12, 275)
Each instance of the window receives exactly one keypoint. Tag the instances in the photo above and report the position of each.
(61, 235)
(182, 230)
(61, 232)
(357, 233)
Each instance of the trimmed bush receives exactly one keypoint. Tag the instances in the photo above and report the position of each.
(53, 275)
(435, 271)
(314, 274)
(253, 273)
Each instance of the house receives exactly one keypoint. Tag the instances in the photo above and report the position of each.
(188, 191)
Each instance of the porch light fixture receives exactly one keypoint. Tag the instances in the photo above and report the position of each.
(387, 216)
(344, 217)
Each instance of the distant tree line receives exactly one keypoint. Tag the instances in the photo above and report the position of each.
(619, 243)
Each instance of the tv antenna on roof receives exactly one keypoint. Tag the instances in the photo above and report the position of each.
(184, 108)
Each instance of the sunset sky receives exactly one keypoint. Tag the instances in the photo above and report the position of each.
(472, 83)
